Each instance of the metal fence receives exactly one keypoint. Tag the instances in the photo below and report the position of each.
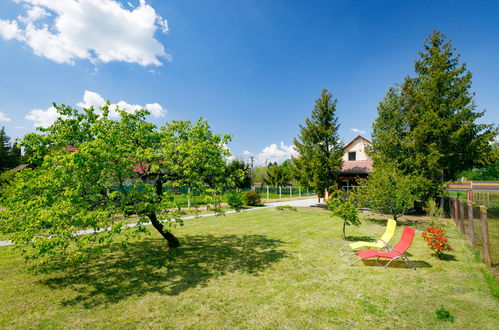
(479, 226)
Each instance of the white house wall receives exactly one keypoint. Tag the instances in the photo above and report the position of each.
(358, 146)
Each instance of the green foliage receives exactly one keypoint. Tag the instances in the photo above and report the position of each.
(434, 211)
(319, 146)
(235, 200)
(252, 198)
(286, 207)
(345, 208)
(443, 314)
(388, 190)
(9, 154)
(112, 168)
(239, 174)
(427, 125)
(278, 175)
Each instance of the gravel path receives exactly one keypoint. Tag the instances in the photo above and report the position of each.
(298, 203)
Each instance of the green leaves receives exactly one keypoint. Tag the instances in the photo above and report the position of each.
(93, 173)
(319, 146)
(427, 125)
(344, 208)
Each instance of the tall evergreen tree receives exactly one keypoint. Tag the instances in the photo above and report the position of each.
(427, 126)
(319, 146)
(5, 156)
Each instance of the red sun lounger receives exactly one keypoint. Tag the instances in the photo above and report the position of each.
(395, 252)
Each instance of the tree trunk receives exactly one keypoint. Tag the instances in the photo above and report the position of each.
(344, 224)
(173, 242)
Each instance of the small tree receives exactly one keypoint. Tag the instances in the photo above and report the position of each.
(388, 190)
(238, 174)
(278, 175)
(345, 209)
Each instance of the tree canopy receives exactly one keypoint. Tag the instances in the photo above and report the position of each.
(92, 171)
(427, 126)
(319, 146)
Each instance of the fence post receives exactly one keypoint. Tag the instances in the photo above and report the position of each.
(267, 192)
(454, 210)
(471, 235)
(279, 192)
(290, 192)
(189, 198)
(299, 190)
(485, 235)
(461, 216)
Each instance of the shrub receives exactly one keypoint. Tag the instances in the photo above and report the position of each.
(444, 315)
(434, 211)
(286, 207)
(235, 200)
(252, 198)
(435, 239)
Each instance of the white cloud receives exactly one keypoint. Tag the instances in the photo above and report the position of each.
(10, 30)
(275, 153)
(96, 30)
(4, 117)
(247, 153)
(42, 118)
(45, 118)
(359, 131)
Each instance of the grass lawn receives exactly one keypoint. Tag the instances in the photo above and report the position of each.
(259, 269)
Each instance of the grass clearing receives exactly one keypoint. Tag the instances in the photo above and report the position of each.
(259, 269)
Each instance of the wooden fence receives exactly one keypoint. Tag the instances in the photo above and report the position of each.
(478, 226)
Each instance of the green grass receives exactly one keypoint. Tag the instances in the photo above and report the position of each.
(258, 269)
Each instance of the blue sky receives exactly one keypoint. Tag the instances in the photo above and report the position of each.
(252, 68)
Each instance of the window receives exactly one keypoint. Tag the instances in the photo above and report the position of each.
(352, 155)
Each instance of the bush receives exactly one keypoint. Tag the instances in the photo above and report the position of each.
(235, 200)
(252, 198)
(444, 315)
(435, 239)
(286, 207)
(434, 211)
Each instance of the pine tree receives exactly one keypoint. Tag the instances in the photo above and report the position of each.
(5, 157)
(427, 126)
(319, 146)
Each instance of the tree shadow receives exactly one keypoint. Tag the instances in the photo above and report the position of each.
(418, 224)
(148, 266)
(396, 264)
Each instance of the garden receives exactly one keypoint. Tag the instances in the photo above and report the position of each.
(262, 269)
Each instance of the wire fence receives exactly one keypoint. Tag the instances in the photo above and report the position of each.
(479, 225)
(187, 197)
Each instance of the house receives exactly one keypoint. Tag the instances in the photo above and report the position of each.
(356, 163)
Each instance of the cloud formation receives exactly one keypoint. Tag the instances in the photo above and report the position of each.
(274, 153)
(96, 30)
(359, 131)
(45, 118)
(4, 117)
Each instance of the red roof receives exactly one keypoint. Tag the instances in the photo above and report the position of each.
(357, 167)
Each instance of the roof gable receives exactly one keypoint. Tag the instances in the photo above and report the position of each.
(357, 138)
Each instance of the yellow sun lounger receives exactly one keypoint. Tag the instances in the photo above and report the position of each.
(380, 243)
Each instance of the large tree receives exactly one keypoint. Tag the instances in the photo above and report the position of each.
(319, 146)
(427, 125)
(91, 171)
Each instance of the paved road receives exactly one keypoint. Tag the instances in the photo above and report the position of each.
(298, 203)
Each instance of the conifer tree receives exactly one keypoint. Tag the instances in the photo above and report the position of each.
(319, 146)
(5, 157)
(427, 125)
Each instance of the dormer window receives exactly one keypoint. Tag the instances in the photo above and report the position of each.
(352, 155)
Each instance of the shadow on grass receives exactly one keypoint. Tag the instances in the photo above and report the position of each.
(396, 264)
(359, 238)
(149, 267)
(421, 225)
(445, 257)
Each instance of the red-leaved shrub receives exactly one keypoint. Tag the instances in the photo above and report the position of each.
(435, 239)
